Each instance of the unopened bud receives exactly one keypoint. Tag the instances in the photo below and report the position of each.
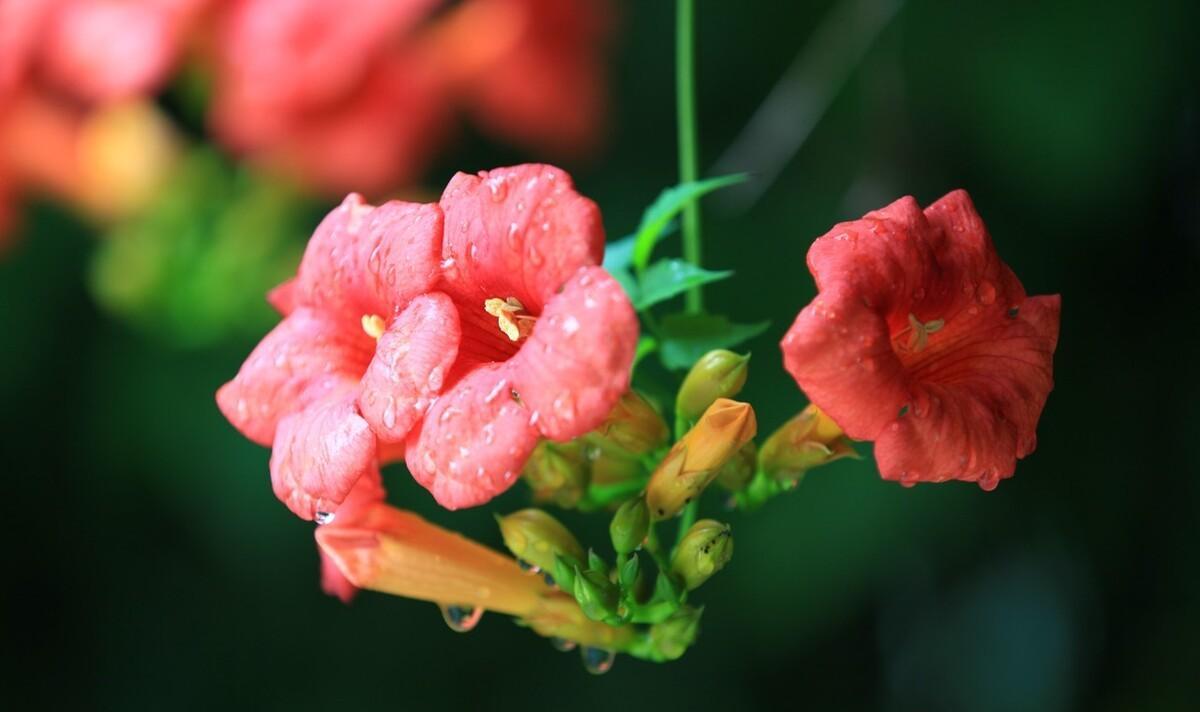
(696, 459)
(675, 635)
(635, 425)
(536, 537)
(804, 442)
(718, 374)
(609, 465)
(735, 474)
(556, 473)
(629, 525)
(597, 596)
(704, 551)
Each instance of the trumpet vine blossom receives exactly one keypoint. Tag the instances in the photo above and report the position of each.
(391, 341)
(923, 340)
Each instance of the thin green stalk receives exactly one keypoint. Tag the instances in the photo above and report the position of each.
(687, 519)
(685, 102)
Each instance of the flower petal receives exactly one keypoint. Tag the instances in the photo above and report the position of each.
(576, 363)
(367, 260)
(981, 415)
(366, 493)
(840, 353)
(410, 365)
(319, 454)
(283, 297)
(473, 442)
(304, 358)
(517, 232)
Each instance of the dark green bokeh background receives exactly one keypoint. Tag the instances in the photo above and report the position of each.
(149, 566)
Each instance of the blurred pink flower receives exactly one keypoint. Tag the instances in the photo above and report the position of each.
(93, 50)
(101, 50)
(61, 61)
(531, 71)
(362, 100)
(924, 341)
(466, 329)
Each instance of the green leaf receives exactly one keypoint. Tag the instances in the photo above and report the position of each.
(618, 254)
(669, 204)
(628, 282)
(684, 338)
(666, 278)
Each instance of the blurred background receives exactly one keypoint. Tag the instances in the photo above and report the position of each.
(149, 202)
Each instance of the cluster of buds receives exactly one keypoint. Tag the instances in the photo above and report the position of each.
(637, 602)
(588, 472)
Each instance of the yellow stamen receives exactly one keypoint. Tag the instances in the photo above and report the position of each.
(920, 332)
(374, 325)
(508, 312)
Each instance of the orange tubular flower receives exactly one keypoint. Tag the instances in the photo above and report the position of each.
(397, 552)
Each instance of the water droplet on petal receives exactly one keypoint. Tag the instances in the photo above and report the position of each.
(324, 517)
(373, 260)
(436, 376)
(498, 188)
(563, 645)
(389, 414)
(597, 660)
(564, 407)
(461, 619)
(986, 292)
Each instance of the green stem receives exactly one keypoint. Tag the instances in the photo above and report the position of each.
(655, 550)
(687, 519)
(685, 101)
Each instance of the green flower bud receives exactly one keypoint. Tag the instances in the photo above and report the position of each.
(804, 442)
(564, 572)
(629, 525)
(718, 374)
(704, 550)
(628, 574)
(695, 460)
(634, 425)
(597, 596)
(671, 638)
(537, 537)
(557, 473)
(737, 472)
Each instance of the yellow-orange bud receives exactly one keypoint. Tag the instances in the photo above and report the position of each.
(809, 439)
(702, 552)
(694, 461)
(634, 425)
(735, 474)
(556, 473)
(125, 152)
